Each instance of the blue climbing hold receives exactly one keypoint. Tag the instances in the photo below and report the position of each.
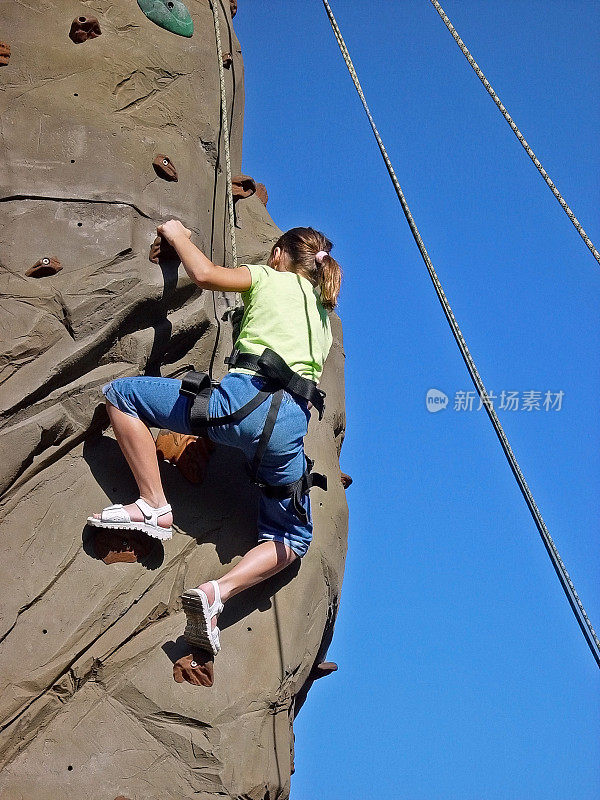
(172, 15)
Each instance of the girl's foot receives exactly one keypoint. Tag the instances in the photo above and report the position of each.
(202, 606)
(209, 591)
(138, 516)
(164, 520)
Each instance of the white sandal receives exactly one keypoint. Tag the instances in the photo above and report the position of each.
(115, 516)
(199, 613)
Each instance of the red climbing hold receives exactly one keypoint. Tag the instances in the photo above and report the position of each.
(190, 453)
(164, 168)
(161, 250)
(227, 60)
(261, 193)
(197, 669)
(346, 480)
(44, 267)
(84, 28)
(4, 53)
(233, 8)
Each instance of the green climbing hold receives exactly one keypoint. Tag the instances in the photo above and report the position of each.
(169, 14)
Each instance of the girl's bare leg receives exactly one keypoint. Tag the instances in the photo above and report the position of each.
(260, 563)
(139, 449)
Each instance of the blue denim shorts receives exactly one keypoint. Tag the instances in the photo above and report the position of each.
(158, 403)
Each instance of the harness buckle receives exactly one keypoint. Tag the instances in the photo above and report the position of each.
(232, 358)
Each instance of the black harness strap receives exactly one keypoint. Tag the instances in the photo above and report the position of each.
(271, 365)
(298, 488)
(279, 377)
(266, 433)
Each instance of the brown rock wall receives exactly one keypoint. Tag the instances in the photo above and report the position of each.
(88, 704)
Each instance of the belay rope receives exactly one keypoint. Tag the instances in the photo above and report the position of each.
(225, 125)
(228, 179)
(566, 582)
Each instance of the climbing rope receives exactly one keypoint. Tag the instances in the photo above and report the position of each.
(566, 582)
(229, 190)
(516, 131)
(225, 126)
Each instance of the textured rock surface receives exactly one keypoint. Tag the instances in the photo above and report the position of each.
(88, 701)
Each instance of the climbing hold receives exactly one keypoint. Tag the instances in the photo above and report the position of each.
(44, 267)
(244, 186)
(233, 8)
(346, 480)
(323, 669)
(119, 547)
(197, 669)
(164, 168)
(261, 193)
(190, 453)
(84, 28)
(161, 250)
(227, 60)
(4, 53)
(172, 15)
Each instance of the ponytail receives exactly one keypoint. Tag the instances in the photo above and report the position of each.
(330, 281)
(307, 253)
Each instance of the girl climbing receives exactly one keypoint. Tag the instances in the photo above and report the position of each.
(285, 317)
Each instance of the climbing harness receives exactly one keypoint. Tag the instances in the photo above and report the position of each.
(565, 580)
(278, 378)
(515, 130)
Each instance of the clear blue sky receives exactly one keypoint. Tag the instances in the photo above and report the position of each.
(462, 672)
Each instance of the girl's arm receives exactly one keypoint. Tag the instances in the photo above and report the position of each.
(201, 269)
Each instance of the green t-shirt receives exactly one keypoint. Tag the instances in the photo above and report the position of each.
(283, 311)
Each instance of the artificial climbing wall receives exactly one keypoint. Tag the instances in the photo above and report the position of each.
(100, 110)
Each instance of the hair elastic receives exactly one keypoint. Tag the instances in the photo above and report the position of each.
(320, 256)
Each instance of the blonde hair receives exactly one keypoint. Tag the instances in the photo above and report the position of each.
(301, 245)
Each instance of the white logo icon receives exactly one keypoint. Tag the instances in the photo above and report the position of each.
(435, 400)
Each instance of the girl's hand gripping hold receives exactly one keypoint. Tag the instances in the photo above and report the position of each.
(200, 268)
(171, 229)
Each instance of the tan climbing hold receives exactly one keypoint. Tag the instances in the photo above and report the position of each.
(4, 53)
(190, 453)
(84, 28)
(49, 265)
(323, 669)
(161, 250)
(197, 669)
(164, 168)
(121, 547)
(244, 186)
(346, 480)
